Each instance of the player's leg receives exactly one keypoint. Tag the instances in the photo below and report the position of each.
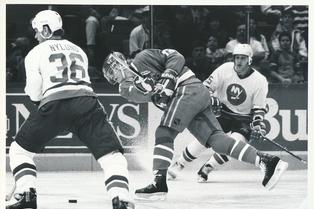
(190, 153)
(116, 178)
(190, 100)
(163, 154)
(270, 164)
(238, 130)
(181, 111)
(216, 160)
(225, 145)
(25, 173)
(36, 131)
(97, 133)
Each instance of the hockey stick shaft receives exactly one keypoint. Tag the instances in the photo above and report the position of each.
(9, 196)
(285, 149)
(129, 67)
(274, 143)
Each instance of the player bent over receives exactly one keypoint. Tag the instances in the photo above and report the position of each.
(241, 92)
(58, 82)
(163, 79)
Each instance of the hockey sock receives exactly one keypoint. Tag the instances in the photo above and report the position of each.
(23, 168)
(217, 159)
(163, 150)
(191, 152)
(116, 173)
(223, 144)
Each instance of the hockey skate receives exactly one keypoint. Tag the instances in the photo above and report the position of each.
(203, 173)
(22, 201)
(157, 190)
(174, 170)
(273, 168)
(120, 204)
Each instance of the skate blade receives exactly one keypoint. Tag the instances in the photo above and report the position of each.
(158, 196)
(279, 170)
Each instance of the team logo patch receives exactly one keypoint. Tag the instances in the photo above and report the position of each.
(236, 94)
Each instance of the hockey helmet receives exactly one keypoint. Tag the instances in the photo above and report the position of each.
(47, 17)
(243, 49)
(114, 63)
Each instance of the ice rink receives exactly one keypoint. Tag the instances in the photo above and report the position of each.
(226, 189)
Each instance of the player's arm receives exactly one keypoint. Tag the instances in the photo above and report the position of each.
(259, 98)
(33, 87)
(166, 84)
(173, 60)
(211, 83)
(258, 127)
(129, 91)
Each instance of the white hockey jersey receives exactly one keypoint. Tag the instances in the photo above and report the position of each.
(56, 66)
(239, 95)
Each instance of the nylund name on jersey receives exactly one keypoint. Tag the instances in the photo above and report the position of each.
(59, 47)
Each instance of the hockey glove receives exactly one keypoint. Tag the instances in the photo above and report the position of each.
(258, 130)
(144, 85)
(164, 88)
(216, 106)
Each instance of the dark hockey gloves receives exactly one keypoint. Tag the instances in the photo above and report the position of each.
(216, 106)
(258, 129)
(164, 88)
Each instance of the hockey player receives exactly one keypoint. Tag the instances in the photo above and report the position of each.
(186, 102)
(242, 91)
(59, 84)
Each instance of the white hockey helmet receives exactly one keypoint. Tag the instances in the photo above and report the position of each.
(243, 49)
(47, 17)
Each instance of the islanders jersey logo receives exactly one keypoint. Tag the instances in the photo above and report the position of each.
(236, 94)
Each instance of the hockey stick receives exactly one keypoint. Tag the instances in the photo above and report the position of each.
(286, 150)
(10, 194)
(274, 143)
(129, 67)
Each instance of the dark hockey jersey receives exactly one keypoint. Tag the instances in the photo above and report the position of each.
(153, 62)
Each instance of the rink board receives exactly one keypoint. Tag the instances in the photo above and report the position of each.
(136, 123)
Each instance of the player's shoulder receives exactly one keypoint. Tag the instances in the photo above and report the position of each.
(35, 52)
(223, 72)
(75, 47)
(259, 77)
(225, 67)
(141, 55)
(146, 53)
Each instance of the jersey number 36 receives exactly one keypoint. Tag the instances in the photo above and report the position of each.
(65, 67)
